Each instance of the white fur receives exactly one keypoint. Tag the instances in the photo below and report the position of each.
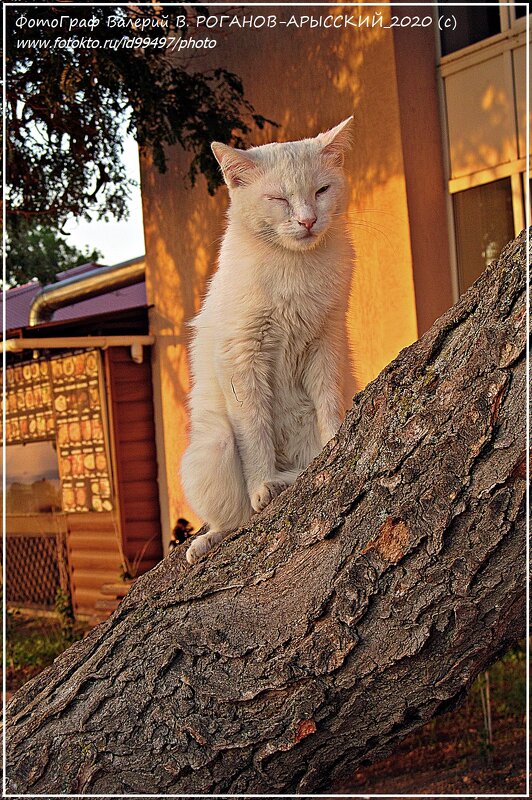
(269, 342)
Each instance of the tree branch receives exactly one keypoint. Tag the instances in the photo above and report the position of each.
(360, 604)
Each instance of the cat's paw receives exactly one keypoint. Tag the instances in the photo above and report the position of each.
(264, 495)
(329, 430)
(202, 544)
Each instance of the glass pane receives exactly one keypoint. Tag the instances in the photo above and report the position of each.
(32, 479)
(520, 11)
(473, 23)
(483, 219)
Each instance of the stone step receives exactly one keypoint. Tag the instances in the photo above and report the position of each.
(112, 593)
(118, 589)
(106, 605)
(96, 619)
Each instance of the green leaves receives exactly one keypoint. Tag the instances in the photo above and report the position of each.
(39, 251)
(67, 107)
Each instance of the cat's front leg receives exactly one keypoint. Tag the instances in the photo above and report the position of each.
(245, 367)
(323, 383)
(255, 443)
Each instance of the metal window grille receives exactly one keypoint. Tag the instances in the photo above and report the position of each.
(36, 567)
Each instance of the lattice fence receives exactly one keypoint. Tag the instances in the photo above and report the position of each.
(36, 567)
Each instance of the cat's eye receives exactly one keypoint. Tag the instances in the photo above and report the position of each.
(323, 189)
(279, 199)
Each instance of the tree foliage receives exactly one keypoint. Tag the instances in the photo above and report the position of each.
(67, 106)
(39, 251)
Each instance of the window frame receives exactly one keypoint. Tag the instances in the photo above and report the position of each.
(513, 35)
(8, 481)
(513, 184)
(510, 24)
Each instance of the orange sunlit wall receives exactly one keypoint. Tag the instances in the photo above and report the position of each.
(306, 80)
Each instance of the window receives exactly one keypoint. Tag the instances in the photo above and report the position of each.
(473, 23)
(521, 11)
(32, 478)
(483, 218)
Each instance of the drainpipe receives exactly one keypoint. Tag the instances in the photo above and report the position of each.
(82, 287)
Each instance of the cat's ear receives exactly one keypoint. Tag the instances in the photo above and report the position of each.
(238, 169)
(335, 142)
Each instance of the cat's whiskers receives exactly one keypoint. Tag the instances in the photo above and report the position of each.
(371, 211)
(366, 225)
(374, 228)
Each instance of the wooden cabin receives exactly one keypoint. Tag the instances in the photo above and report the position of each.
(81, 485)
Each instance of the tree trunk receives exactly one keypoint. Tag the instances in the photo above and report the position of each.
(355, 608)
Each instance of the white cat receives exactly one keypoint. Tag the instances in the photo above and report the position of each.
(269, 348)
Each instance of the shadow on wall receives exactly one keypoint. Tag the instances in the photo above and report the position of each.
(328, 74)
(183, 228)
(482, 122)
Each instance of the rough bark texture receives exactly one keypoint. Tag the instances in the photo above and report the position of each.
(360, 604)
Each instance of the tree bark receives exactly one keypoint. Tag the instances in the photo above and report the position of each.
(356, 607)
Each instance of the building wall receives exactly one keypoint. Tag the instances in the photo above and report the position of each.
(306, 80)
(424, 171)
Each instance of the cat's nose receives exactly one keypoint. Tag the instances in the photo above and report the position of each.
(308, 222)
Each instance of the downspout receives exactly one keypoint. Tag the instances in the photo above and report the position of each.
(83, 287)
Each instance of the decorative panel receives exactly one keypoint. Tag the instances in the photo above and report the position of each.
(28, 400)
(60, 398)
(78, 408)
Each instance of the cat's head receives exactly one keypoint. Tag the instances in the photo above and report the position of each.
(288, 193)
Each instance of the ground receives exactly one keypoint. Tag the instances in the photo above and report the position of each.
(450, 755)
(33, 642)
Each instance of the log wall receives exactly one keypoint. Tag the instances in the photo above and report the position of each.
(130, 402)
(93, 556)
